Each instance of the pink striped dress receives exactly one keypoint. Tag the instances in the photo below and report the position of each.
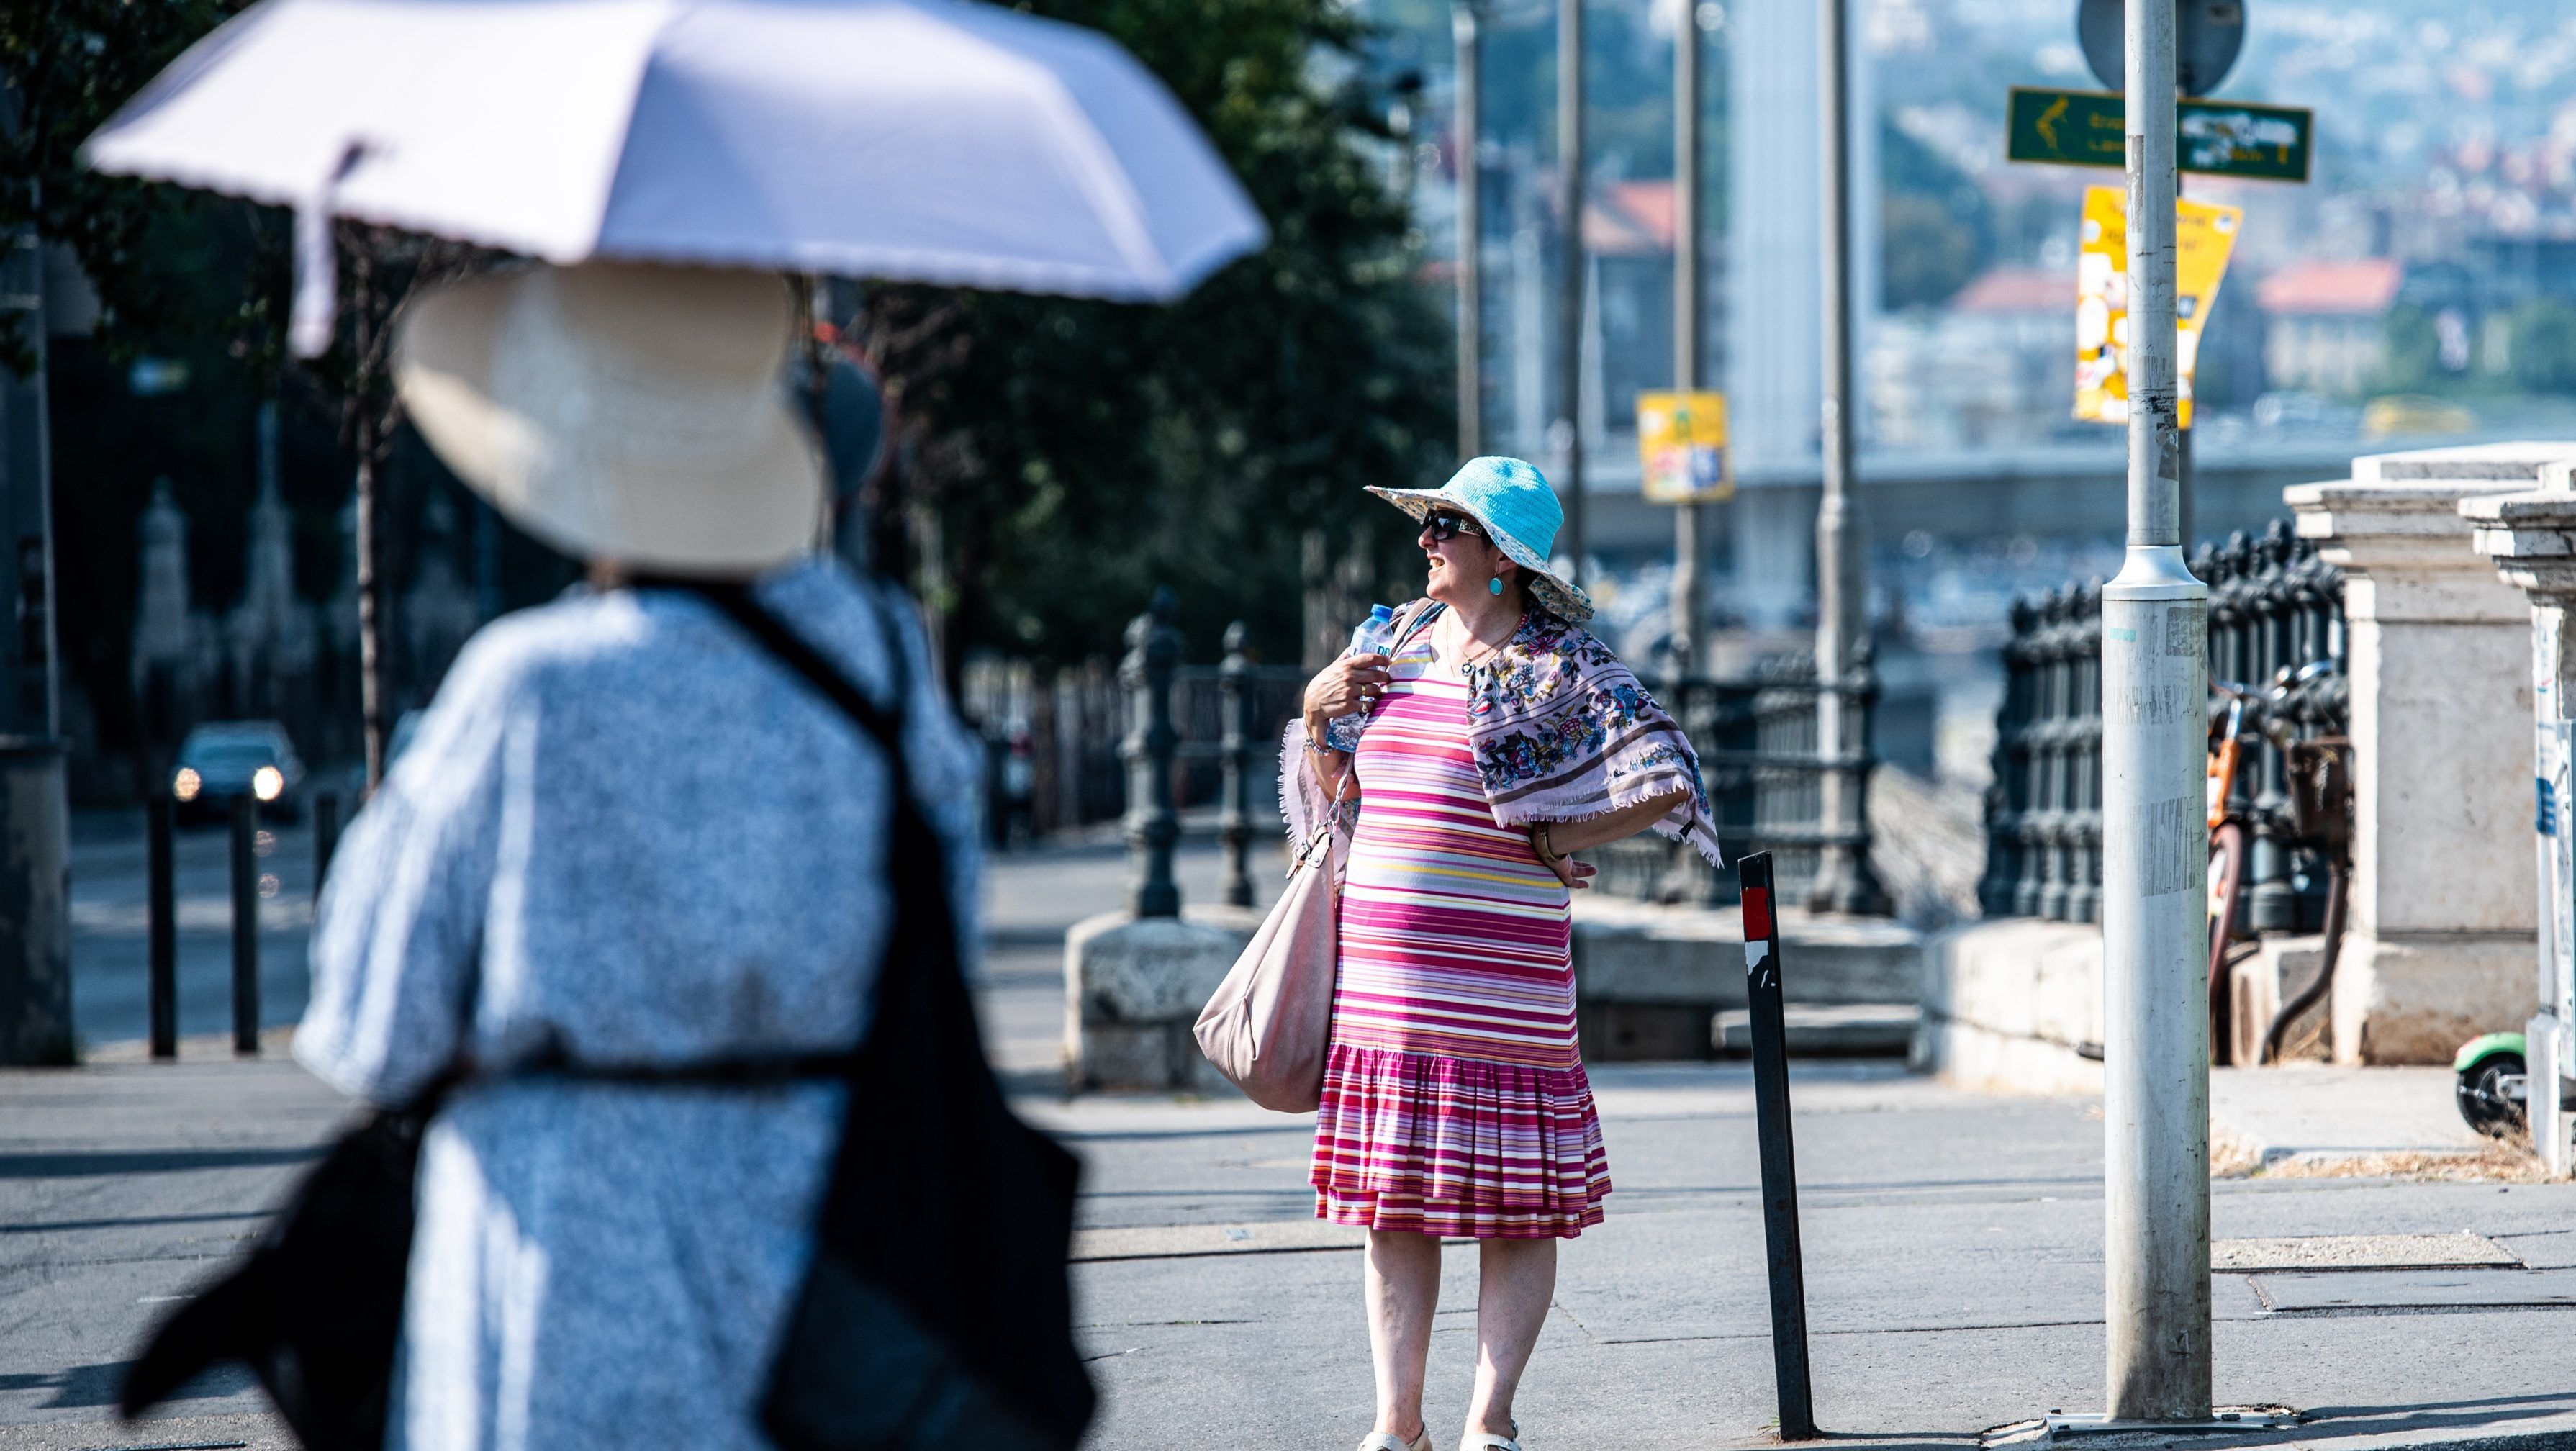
(1454, 1099)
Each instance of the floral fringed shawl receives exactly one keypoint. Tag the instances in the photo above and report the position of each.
(1560, 730)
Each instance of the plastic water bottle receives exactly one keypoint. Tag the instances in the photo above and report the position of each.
(1373, 637)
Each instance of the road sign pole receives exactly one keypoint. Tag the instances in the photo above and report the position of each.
(2155, 852)
(1686, 316)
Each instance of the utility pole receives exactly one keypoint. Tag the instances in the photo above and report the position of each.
(1469, 133)
(1568, 423)
(2155, 670)
(1844, 880)
(1687, 517)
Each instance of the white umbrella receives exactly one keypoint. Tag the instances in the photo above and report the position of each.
(932, 141)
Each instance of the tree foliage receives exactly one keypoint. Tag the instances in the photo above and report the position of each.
(1069, 456)
(67, 65)
(2543, 348)
(1936, 228)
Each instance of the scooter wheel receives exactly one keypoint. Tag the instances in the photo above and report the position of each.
(2482, 1098)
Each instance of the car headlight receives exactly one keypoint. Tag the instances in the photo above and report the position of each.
(266, 782)
(186, 784)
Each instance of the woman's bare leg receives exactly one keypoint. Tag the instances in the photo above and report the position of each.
(1403, 1293)
(1518, 1281)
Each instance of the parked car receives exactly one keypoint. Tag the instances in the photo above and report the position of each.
(222, 760)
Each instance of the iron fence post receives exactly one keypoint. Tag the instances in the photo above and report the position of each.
(2006, 794)
(2084, 752)
(1234, 819)
(1152, 826)
(161, 990)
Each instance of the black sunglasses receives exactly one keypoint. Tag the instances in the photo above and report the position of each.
(1445, 526)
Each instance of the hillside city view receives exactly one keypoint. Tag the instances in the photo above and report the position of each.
(2421, 287)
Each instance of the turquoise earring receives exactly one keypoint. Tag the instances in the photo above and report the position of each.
(1494, 585)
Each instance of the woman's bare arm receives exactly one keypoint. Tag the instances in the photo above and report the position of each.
(1558, 841)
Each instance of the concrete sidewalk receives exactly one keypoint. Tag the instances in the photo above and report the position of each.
(1953, 1248)
(1952, 1243)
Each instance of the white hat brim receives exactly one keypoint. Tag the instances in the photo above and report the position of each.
(759, 504)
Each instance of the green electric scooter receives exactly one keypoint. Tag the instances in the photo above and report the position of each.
(2491, 1085)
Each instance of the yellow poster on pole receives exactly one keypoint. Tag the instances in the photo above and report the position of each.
(1681, 441)
(2204, 236)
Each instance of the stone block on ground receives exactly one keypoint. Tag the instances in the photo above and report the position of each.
(2441, 719)
(1825, 1030)
(2013, 1006)
(1649, 979)
(1133, 989)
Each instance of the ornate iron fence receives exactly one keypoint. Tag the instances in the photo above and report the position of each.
(1756, 739)
(2274, 607)
(1052, 739)
(1061, 756)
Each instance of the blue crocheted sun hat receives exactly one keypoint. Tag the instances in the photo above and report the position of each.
(1518, 508)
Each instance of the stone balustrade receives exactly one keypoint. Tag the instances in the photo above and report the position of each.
(2444, 912)
(2531, 540)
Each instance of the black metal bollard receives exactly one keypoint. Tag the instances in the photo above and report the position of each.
(245, 927)
(326, 836)
(1152, 826)
(1779, 1157)
(161, 991)
(1234, 820)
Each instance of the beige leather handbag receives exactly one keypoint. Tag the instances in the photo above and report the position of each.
(1272, 1017)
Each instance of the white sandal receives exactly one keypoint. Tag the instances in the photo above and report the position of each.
(1488, 1441)
(1386, 1441)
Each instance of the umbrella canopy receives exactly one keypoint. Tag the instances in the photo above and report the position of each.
(934, 141)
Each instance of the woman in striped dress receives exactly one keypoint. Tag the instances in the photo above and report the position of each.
(1490, 741)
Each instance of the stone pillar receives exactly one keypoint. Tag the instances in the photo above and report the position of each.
(2443, 910)
(2531, 538)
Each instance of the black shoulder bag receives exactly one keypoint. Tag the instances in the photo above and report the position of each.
(937, 1311)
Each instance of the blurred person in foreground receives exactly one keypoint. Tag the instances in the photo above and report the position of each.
(1492, 740)
(624, 837)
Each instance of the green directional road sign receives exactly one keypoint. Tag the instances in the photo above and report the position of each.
(2233, 138)
(2221, 138)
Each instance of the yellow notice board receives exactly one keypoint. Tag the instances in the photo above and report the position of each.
(2204, 235)
(1681, 440)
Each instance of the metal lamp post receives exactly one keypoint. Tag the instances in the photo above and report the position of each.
(1568, 422)
(1468, 129)
(1687, 517)
(1844, 880)
(2155, 676)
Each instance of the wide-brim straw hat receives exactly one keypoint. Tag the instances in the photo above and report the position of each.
(621, 410)
(1519, 512)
